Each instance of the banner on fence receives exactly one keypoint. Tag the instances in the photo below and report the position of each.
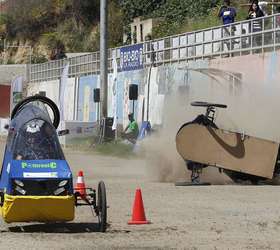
(16, 91)
(131, 57)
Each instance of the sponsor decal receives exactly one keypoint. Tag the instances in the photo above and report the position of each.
(51, 165)
(40, 175)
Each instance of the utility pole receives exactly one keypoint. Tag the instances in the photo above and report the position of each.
(103, 57)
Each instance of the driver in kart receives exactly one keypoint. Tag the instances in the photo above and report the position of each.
(37, 144)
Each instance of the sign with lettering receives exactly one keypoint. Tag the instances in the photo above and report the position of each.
(38, 165)
(131, 57)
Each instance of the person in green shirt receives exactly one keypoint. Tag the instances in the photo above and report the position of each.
(131, 131)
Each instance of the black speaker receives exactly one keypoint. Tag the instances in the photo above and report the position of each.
(133, 92)
(42, 93)
(96, 95)
(109, 121)
(109, 133)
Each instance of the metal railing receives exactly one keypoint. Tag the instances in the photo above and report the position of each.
(240, 38)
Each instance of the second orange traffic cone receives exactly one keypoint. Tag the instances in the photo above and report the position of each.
(138, 213)
(80, 185)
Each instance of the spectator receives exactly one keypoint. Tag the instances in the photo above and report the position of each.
(262, 5)
(277, 24)
(227, 14)
(278, 17)
(256, 25)
(255, 12)
(58, 52)
(131, 131)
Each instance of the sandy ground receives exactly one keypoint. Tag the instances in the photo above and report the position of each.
(212, 217)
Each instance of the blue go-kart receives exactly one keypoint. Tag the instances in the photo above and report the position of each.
(36, 182)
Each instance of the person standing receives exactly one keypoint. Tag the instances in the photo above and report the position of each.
(256, 25)
(227, 14)
(261, 4)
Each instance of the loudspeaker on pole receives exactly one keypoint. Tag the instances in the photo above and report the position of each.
(133, 92)
(96, 95)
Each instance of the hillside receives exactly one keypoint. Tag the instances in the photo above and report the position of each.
(52, 26)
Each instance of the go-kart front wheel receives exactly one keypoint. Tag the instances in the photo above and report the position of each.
(102, 207)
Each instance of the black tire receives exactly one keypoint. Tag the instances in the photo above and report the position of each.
(2, 198)
(102, 207)
(238, 177)
(43, 99)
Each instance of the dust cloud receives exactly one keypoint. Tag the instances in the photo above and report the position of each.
(163, 163)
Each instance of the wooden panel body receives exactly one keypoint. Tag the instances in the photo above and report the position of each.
(227, 150)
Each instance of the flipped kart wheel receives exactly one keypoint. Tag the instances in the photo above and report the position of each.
(102, 207)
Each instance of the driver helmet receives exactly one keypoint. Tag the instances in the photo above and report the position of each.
(32, 128)
(32, 133)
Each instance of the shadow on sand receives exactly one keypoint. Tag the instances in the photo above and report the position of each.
(71, 228)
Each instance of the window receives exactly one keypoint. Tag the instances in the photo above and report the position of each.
(37, 140)
(135, 34)
(141, 32)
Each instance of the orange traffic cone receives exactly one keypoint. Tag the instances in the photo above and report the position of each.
(138, 213)
(80, 185)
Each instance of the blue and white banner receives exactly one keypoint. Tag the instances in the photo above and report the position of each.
(115, 87)
(131, 57)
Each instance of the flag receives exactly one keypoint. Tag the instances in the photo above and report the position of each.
(115, 89)
(63, 83)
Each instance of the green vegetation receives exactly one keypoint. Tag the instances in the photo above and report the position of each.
(53, 24)
(176, 16)
(118, 149)
(199, 15)
(114, 148)
(81, 143)
(74, 24)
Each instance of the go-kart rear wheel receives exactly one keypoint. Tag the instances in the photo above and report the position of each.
(102, 207)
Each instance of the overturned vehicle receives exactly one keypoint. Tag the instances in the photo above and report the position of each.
(243, 158)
